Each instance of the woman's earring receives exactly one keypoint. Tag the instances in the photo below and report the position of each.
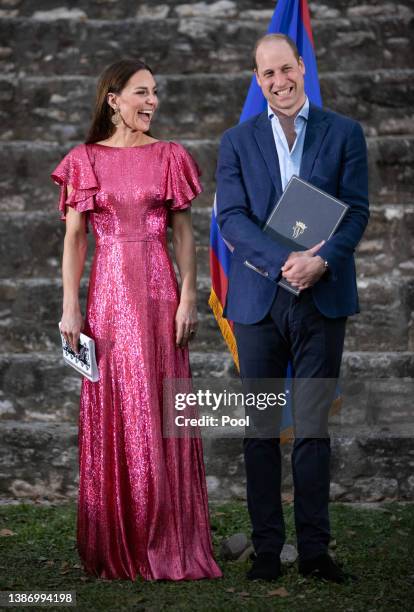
(116, 117)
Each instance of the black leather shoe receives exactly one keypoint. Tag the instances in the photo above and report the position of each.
(266, 566)
(323, 566)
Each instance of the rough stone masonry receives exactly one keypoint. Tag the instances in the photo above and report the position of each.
(50, 56)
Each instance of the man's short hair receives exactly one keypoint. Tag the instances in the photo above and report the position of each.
(269, 37)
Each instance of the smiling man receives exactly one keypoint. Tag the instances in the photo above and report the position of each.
(273, 326)
(281, 73)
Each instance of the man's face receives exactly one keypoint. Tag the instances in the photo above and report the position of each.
(280, 76)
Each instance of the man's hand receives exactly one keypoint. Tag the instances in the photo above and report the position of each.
(303, 268)
(309, 253)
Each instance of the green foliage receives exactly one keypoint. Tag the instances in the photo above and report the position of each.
(375, 543)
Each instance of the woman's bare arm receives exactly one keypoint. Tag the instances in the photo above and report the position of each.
(74, 255)
(185, 255)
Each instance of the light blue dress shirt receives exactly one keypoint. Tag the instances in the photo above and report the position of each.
(289, 161)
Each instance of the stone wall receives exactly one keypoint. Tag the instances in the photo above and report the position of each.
(50, 56)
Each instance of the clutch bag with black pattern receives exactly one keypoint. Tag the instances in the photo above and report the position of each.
(84, 361)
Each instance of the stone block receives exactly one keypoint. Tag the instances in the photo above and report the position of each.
(38, 387)
(391, 169)
(351, 43)
(371, 468)
(59, 108)
(386, 247)
(38, 461)
(187, 45)
(373, 364)
(244, 9)
(123, 9)
(195, 44)
(377, 98)
(50, 57)
(30, 314)
(25, 328)
(382, 324)
(26, 184)
(31, 245)
(386, 296)
(31, 253)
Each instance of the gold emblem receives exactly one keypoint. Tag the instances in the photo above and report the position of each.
(298, 229)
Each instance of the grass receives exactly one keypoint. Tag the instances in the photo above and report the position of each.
(376, 544)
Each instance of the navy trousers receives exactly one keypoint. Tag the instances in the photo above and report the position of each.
(294, 330)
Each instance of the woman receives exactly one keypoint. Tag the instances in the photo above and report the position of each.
(142, 498)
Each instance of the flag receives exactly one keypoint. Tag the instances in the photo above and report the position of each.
(290, 17)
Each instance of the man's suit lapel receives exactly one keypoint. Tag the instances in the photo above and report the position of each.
(263, 134)
(316, 129)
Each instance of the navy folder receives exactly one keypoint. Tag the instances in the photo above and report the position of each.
(303, 216)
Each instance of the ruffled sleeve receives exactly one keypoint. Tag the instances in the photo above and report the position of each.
(76, 170)
(182, 179)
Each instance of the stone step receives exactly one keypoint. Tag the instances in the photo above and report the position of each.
(51, 10)
(25, 168)
(59, 108)
(363, 467)
(51, 450)
(39, 460)
(386, 245)
(386, 318)
(385, 321)
(31, 243)
(191, 44)
(122, 9)
(30, 310)
(38, 387)
(41, 249)
(49, 64)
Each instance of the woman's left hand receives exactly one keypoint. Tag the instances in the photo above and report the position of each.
(185, 323)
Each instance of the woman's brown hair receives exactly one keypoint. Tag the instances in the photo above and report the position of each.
(112, 80)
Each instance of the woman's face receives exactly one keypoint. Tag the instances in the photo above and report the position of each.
(137, 101)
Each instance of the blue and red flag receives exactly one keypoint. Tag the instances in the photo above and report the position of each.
(291, 17)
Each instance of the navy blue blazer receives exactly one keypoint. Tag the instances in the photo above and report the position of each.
(248, 187)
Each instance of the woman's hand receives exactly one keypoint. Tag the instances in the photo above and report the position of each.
(185, 322)
(71, 327)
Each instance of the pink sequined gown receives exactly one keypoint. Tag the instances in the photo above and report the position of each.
(142, 498)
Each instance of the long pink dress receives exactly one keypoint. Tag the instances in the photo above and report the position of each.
(142, 505)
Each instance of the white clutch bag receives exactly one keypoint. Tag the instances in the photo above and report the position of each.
(84, 361)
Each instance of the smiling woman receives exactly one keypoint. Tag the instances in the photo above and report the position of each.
(142, 497)
(125, 104)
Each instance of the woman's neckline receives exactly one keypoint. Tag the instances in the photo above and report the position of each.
(148, 144)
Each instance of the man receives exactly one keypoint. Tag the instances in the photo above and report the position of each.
(272, 326)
